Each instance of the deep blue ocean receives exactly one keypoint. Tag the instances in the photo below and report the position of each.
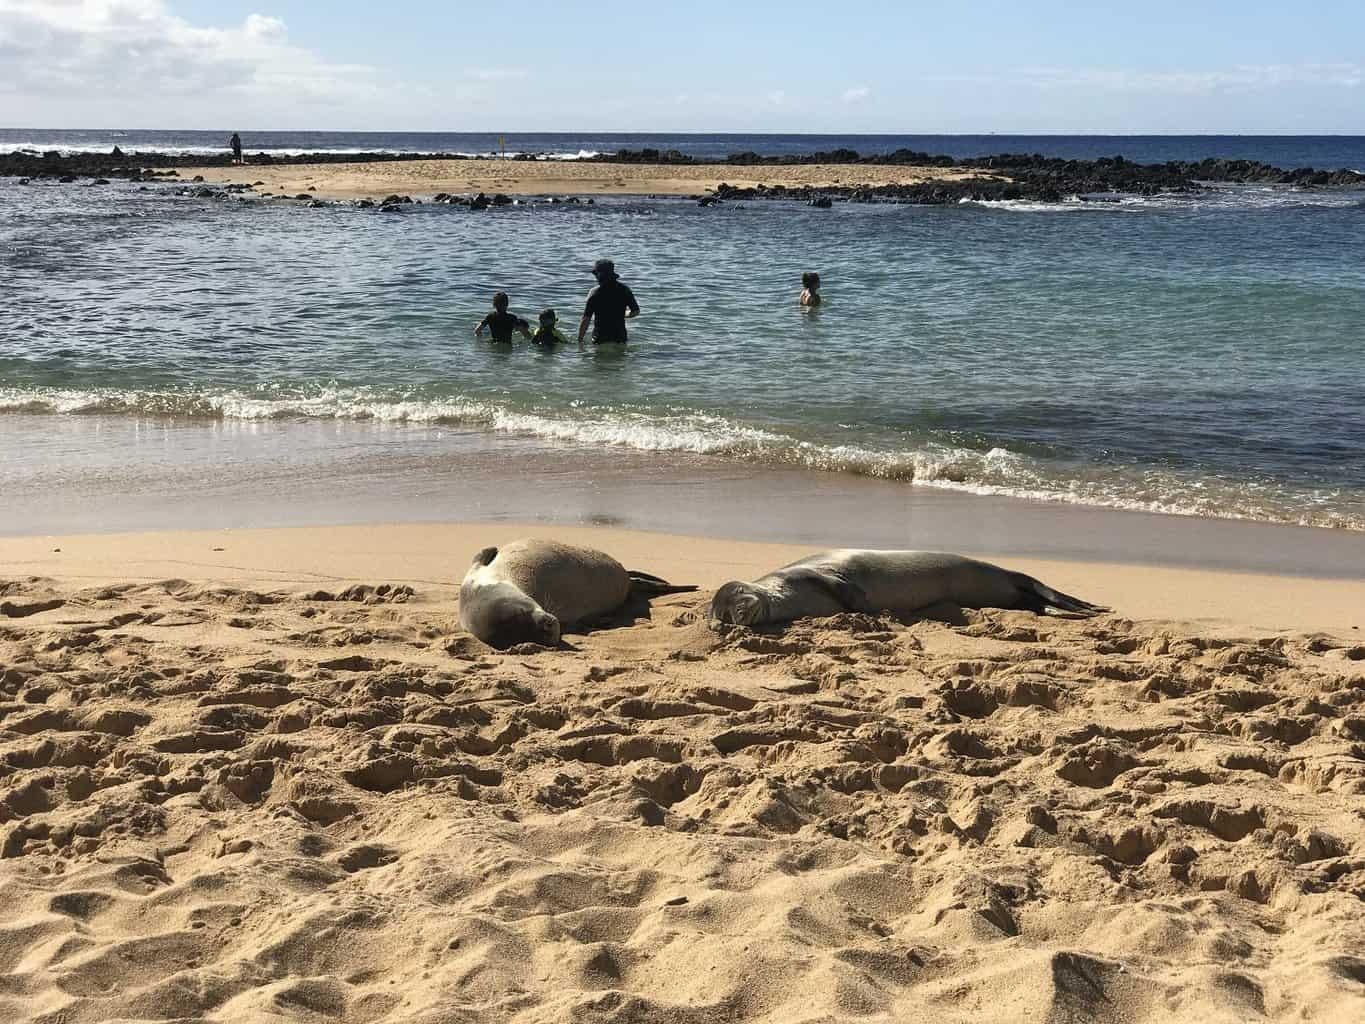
(1193, 354)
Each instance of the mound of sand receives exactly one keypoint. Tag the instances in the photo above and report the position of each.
(225, 805)
(558, 177)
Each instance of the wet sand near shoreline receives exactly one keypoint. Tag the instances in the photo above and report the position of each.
(263, 775)
(172, 474)
(420, 178)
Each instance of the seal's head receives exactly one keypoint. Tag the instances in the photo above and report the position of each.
(498, 612)
(513, 619)
(740, 603)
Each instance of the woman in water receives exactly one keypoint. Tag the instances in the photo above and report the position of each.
(810, 283)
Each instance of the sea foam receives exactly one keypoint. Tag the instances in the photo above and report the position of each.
(994, 471)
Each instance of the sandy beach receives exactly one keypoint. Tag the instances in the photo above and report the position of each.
(553, 177)
(263, 775)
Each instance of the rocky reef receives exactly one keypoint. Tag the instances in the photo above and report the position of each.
(1006, 176)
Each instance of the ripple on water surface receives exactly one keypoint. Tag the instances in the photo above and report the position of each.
(1170, 355)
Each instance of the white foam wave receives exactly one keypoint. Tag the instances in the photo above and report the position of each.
(994, 472)
(1071, 204)
(1256, 197)
(103, 148)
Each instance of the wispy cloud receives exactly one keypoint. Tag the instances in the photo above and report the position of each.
(1240, 78)
(857, 94)
(135, 47)
(497, 74)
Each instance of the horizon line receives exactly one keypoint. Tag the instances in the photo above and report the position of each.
(1260, 133)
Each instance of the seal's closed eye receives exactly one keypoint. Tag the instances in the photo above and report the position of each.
(739, 603)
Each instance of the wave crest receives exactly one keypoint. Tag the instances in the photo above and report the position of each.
(165, 149)
(995, 471)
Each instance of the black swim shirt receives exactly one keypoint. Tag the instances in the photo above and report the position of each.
(501, 325)
(607, 305)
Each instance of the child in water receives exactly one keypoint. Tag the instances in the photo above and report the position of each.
(501, 323)
(547, 335)
(810, 282)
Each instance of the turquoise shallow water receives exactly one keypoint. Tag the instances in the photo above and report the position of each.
(1199, 356)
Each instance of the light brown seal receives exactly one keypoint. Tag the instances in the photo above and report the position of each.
(526, 591)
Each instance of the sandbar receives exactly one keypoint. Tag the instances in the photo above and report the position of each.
(419, 178)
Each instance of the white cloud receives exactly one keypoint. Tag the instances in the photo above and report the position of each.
(857, 94)
(497, 74)
(1241, 78)
(131, 49)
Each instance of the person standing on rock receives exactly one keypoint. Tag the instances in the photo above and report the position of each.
(236, 143)
(609, 306)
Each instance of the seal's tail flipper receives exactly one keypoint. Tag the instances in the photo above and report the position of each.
(652, 586)
(1035, 596)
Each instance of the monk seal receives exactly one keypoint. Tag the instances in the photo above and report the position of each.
(526, 591)
(899, 582)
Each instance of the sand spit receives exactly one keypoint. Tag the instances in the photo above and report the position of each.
(558, 177)
(221, 804)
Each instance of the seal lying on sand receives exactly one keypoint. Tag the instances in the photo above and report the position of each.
(899, 582)
(525, 591)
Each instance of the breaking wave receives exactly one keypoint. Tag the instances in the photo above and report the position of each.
(163, 149)
(993, 471)
(1256, 197)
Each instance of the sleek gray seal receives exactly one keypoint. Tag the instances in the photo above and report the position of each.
(525, 591)
(900, 582)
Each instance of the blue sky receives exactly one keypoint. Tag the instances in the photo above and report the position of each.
(969, 66)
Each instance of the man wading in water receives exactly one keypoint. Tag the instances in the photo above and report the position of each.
(610, 305)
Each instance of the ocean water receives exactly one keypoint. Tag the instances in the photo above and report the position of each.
(1180, 354)
(1322, 151)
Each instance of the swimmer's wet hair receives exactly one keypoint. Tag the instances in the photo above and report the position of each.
(500, 300)
(547, 314)
(810, 278)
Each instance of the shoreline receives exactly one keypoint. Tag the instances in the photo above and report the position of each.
(174, 475)
(436, 554)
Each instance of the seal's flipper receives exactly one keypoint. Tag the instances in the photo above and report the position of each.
(1035, 596)
(836, 584)
(653, 586)
(486, 556)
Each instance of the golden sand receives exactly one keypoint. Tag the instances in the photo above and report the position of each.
(264, 776)
(419, 178)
